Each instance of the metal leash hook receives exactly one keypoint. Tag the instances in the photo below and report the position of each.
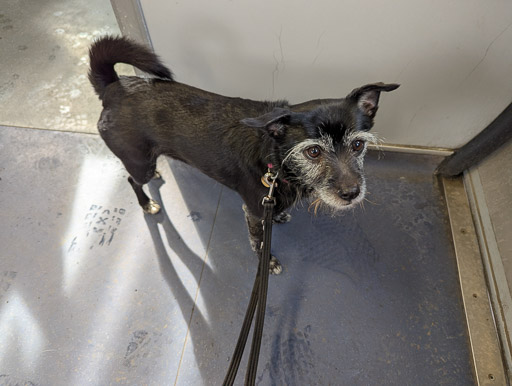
(269, 180)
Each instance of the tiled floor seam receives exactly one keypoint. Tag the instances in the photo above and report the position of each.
(7, 126)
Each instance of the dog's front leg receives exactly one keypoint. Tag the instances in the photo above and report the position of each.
(255, 227)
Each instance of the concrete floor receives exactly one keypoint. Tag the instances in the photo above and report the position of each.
(44, 46)
(94, 292)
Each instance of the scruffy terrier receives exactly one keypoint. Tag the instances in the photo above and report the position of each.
(317, 147)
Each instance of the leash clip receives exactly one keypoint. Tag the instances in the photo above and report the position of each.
(269, 181)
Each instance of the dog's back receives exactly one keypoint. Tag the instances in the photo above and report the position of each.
(145, 117)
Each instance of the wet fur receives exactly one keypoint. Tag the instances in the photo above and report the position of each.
(232, 140)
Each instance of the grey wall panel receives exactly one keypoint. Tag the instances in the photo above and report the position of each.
(452, 59)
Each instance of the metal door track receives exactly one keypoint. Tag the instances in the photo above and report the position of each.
(485, 346)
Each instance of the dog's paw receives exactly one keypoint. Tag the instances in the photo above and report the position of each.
(275, 266)
(151, 207)
(282, 218)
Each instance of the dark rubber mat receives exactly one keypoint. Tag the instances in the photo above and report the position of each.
(92, 291)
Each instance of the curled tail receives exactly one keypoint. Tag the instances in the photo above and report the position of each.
(108, 51)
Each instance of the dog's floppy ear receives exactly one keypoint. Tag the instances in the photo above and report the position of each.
(274, 121)
(367, 97)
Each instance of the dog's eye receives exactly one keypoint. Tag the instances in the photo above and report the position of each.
(357, 145)
(313, 151)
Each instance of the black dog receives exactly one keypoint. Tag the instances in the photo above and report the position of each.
(317, 147)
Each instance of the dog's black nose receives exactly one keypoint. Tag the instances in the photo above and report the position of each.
(348, 194)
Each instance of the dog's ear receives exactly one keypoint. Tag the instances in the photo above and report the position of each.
(367, 97)
(274, 122)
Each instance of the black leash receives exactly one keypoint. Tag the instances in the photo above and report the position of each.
(258, 297)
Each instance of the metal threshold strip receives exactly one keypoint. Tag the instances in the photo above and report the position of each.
(484, 341)
(439, 151)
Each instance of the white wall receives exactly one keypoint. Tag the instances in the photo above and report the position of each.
(453, 58)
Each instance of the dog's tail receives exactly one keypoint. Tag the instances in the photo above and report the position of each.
(109, 50)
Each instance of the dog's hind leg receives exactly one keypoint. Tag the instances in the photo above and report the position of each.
(139, 160)
(148, 205)
(141, 172)
(255, 226)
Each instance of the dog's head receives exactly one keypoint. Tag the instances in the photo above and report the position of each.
(322, 150)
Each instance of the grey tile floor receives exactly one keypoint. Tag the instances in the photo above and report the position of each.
(94, 292)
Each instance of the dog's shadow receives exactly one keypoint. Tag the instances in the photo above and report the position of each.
(201, 328)
(206, 327)
(192, 261)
